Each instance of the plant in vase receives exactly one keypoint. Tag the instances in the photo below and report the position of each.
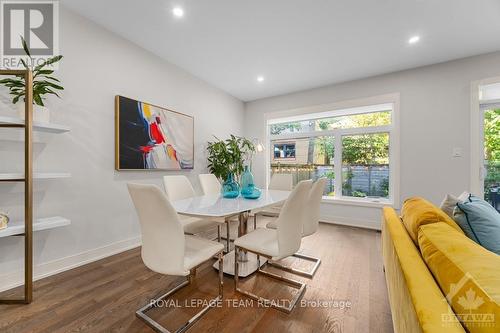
(226, 160)
(43, 84)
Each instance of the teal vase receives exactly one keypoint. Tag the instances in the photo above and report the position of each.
(230, 188)
(248, 189)
(247, 184)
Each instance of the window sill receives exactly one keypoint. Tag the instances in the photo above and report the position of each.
(378, 203)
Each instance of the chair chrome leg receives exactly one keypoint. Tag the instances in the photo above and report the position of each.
(308, 274)
(221, 275)
(218, 233)
(236, 267)
(141, 313)
(293, 283)
(228, 237)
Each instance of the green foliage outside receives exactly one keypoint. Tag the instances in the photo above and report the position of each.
(492, 135)
(229, 156)
(278, 128)
(366, 149)
(357, 149)
(491, 150)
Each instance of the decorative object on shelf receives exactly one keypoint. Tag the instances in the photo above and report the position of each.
(43, 84)
(150, 137)
(247, 183)
(4, 220)
(229, 156)
(230, 188)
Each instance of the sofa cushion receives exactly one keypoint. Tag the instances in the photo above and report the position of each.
(418, 211)
(415, 298)
(480, 222)
(468, 275)
(450, 202)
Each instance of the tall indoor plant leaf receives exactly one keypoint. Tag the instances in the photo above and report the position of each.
(43, 83)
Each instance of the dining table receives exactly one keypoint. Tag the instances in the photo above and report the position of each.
(214, 206)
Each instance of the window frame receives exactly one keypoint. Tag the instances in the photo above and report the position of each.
(360, 106)
(477, 171)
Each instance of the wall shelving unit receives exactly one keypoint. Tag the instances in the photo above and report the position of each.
(28, 225)
(39, 127)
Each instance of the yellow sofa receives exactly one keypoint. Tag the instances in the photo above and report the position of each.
(425, 254)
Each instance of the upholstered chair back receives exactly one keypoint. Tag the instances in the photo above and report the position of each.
(281, 182)
(209, 183)
(162, 233)
(290, 220)
(312, 211)
(178, 187)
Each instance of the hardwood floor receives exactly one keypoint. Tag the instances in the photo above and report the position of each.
(103, 296)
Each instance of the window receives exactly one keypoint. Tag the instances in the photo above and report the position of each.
(491, 143)
(350, 147)
(485, 140)
(365, 165)
(286, 150)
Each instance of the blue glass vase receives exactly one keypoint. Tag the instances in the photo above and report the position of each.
(252, 192)
(230, 188)
(247, 184)
(248, 189)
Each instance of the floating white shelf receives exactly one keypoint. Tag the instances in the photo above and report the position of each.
(41, 127)
(17, 228)
(36, 175)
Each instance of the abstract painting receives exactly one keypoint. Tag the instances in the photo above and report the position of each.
(150, 137)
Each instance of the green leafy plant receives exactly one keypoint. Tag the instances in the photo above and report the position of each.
(43, 81)
(229, 156)
(358, 194)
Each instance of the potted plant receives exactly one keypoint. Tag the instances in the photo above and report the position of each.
(229, 156)
(226, 160)
(43, 84)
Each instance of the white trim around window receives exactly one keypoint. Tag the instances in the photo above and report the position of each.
(358, 106)
(477, 172)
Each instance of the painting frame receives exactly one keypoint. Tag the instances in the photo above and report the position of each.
(119, 135)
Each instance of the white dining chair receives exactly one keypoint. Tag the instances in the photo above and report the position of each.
(178, 187)
(309, 227)
(167, 250)
(279, 182)
(209, 183)
(276, 244)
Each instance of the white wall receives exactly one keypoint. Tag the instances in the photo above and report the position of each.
(97, 65)
(434, 118)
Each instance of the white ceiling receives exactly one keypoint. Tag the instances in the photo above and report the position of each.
(299, 44)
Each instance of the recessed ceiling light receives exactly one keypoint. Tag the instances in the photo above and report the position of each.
(260, 79)
(178, 12)
(413, 39)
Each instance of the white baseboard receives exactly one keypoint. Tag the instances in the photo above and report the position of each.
(348, 221)
(16, 278)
